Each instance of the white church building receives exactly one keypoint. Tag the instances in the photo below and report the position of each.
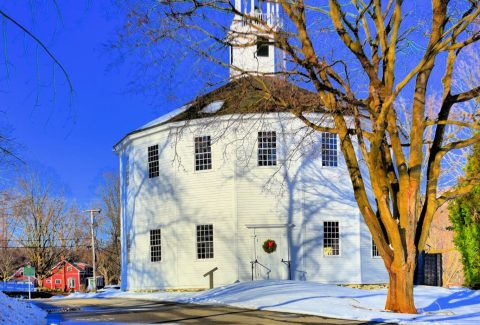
(234, 182)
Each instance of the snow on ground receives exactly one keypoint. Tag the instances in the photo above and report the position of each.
(434, 304)
(13, 311)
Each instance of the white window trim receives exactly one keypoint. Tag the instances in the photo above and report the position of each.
(339, 239)
(150, 246)
(203, 171)
(278, 163)
(371, 249)
(158, 162)
(338, 151)
(127, 172)
(128, 247)
(203, 260)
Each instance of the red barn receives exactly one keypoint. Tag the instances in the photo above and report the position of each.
(68, 276)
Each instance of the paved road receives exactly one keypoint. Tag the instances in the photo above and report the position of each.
(115, 310)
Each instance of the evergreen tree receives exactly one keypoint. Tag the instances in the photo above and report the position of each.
(465, 217)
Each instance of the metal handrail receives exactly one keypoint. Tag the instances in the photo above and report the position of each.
(257, 262)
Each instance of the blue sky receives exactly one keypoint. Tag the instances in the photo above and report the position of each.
(70, 136)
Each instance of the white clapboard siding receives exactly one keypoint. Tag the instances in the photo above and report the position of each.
(245, 203)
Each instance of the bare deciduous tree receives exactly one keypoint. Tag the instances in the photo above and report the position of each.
(356, 57)
(47, 227)
(109, 251)
(9, 255)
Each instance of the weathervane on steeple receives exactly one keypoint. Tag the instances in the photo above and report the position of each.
(250, 36)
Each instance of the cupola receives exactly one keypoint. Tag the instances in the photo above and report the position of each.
(251, 50)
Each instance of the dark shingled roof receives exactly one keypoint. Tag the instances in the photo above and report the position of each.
(253, 94)
(247, 95)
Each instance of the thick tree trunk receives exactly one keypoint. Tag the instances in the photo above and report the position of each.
(400, 290)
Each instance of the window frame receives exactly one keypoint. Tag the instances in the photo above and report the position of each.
(129, 247)
(153, 160)
(58, 281)
(127, 172)
(154, 253)
(327, 152)
(209, 247)
(71, 283)
(373, 249)
(339, 239)
(202, 150)
(264, 145)
(262, 47)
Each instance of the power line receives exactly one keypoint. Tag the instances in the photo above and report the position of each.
(31, 247)
(36, 240)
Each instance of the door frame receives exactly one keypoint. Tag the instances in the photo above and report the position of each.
(288, 228)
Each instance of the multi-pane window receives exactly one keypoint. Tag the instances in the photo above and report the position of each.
(267, 148)
(127, 172)
(155, 245)
(153, 167)
(329, 149)
(204, 241)
(262, 46)
(375, 252)
(331, 238)
(129, 246)
(203, 153)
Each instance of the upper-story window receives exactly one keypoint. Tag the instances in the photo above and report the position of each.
(203, 153)
(155, 245)
(153, 167)
(331, 238)
(262, 46)
(267, 148)
(329, 149)
(127, 172)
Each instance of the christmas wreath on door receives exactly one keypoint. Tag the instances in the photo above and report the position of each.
(269, 246)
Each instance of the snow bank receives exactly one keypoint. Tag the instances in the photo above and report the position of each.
(435, 305)
(13, 311)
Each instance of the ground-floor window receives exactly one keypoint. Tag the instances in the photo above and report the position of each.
(71, 283)
(58, 281)
(129, 245)
(155, 245)
(204, 241)
(331, 238)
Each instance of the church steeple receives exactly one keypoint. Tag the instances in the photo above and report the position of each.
(251, 50)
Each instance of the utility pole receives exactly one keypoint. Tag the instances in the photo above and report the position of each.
(92, 212)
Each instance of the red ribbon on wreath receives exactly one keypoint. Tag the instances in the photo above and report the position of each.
(269, 246)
